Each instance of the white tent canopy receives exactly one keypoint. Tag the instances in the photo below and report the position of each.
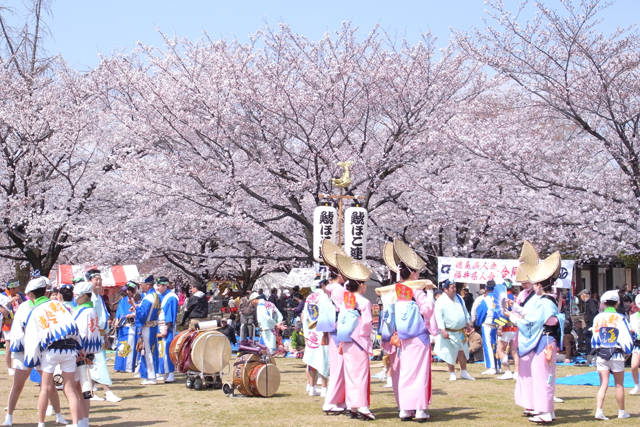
(302, 277)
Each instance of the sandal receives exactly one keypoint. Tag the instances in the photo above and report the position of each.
(334, 410)
(539, 420)
(365, 416)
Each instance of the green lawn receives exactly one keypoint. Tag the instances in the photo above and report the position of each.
(484, 402)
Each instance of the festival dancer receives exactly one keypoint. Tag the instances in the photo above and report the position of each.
(539, 329)
(612, 339)
(507, 338)
(634, 320)
(5, 311)
(126, 354)
(489, 331)
(22, 373)
(167, 329)
(16, 298)
(147, 313)
(452, 318)
(316, 355)
(87, 322)
(99, 370)
(387, 324)
(51, 338)
(414, 324)
(334, 402)
(354, 329)
(269, 318)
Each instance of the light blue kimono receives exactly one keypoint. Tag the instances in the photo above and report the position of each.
(531, 326)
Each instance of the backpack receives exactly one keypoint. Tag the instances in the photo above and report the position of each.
(347, 323)
(326, 317)
(387, 322)
(409, 320)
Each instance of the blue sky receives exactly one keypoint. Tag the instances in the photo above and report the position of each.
(82, 28)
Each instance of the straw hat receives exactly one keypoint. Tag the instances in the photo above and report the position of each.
(353, 270)
(537, 272)
(329, 250)
(389, 257)
(407, 255)
(529, 259)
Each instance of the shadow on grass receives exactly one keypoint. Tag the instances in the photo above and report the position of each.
(385, 413)
(137, 395)
(136, 423)
(457, 413)
(98, 409)
(105, 419)
(572, 416)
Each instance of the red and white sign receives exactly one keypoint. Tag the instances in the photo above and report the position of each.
(476, 270)
(112, 276)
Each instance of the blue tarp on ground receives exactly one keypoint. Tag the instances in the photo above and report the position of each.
(592, 378)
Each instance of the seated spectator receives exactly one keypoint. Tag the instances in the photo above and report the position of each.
(232, 321)
(297, 340)
(475, 347)
(226, 330)
(569, 347)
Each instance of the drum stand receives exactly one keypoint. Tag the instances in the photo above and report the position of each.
(198, 380)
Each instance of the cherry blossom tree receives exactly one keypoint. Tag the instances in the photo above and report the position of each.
(256, 130)
(582, 87)
(52, 146)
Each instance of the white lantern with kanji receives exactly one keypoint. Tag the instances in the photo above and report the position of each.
(355, 233)
(325, 226)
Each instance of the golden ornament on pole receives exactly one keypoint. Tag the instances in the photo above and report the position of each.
(345, 180)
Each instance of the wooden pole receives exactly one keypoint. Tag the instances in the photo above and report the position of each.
(340, 217)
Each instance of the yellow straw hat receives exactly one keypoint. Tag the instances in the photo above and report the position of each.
(529, 259)
(532, 270)
(407, 255)
(389, 257)
(329, 250)
(351, 269)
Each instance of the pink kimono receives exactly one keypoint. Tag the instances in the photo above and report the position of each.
(536, 383)
(335, 389)
(356, 354)
(414, 383)
(524, 383)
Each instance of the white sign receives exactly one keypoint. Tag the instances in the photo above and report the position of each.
(474, 270)
(355, 233)
(325, 225)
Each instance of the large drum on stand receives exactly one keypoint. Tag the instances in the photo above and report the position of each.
(210, 352)
(175, 347)
(200, 351)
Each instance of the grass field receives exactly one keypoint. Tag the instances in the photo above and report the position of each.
(484, 402)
